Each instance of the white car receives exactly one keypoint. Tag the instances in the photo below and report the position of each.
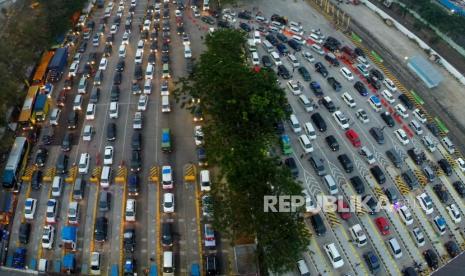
(90, 111)
(402, 136)
(420, 115)
(308, 56)
(87, 133)
(140, 45)
(167, 177)
(341, 119)
(388, 96)
(198, 135)
(95, 263)
(333, 255)
(149, 72)
(77, 57)
(113, 29)
(390, 85)
(103, 64)
(108, 155)
(125, 38)
(426, 203)
(401, 110)
(48, 236)
(363, 70)
(142, 103)
(294, 87)
(113, 112)
(137, 121)
(358, 236)
(185, 40)
(405, 215)
(461, 164)
(52, 210)
(148, 87)
(177, 13)
(164, 90)
(418, 237)
(346, 73)
(130, 214)
(348, 100)
(30, 208)
(454, 213)
(362, 116)
(73, 69)
(168, 203)
(146, 26)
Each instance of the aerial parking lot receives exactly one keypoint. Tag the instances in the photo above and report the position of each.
(118, 182)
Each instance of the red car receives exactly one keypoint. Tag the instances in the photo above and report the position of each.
(343, 210)
(353, 138)
(383, 225)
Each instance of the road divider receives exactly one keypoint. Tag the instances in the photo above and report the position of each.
(189, 173)
(121, 175)
(49, 175)
(71, 175)
(95, 176)
(27, 176)
(154, 174)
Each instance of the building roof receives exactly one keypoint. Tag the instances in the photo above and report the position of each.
(425, 71)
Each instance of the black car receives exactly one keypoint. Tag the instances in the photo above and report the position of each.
(441, 192)
(114, 94)
(378, 174)
(304, 73)
(387, 118)
(316, 88)
(165, 58)
(417, 155)
(136, 140)
(245, 27)
(135, 88)
(391, 195)
(82, 47)
(294, 45)
(283, 72)
(166, 26)
(372, 262)
(61, 165)
(460, 188)
(73, 118)
(452, 248)
(279, 18)
(336, 85)
(377, 74)
(266, 61)
(318, 225)
(117, 78)
(202, 157)
(332, 143)
(320, 68)
(445, 166)
(120, 66)
(180, 30)
(48, 133)
(101, 228)
(107, 50)
(166, 234)
(377, 134)
(129, 239)
(223, 24)
(152, 59)
(154, 46)
(165, 48)
(41, 157)
(346, 163)
(359, 52)
(360, 87)
(292, 165)
(208, 19)
(431, 259)
(24, 232)
(371, 204)
(92, 58)
(133, 184)
(281, 37)
(279, 127)
(358, 185)
(67, 142)
(282, 49)
(433, 128)
(111, 132)
(136, 161)
(272, 39)
(375, 83)
(138, 75)
(211, 265)
(36, 179)
(244, 15)
(319, 122)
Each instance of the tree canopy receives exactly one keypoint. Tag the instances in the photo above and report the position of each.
(241, 108)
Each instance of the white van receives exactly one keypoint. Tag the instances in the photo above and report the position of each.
(168, 263)
(303, 268)
(55, 116)
(255, 59)
(316, 38)
(276, 58)
(77, 102)
(447, 143)
(84, 161)
(293, 60)
(369, 157)
(363, 61)
(296, 30)
(105, 177)
(187, 51)
(317, 49)
(307, 103)
(305, 143)
(310, 130)
(113, 113)
(295, 124)
(256, 37)
(73, 212)
(122, 51)
(395, 248)
(298, 39)
(416, 126)
(388, 96)
(139, 53)
(401, 110)
(205, 184)
(82, 85)
(90, 111)
(331, 184)
(57, 186)
(268, 46)
(165, 104)
(277, 24)
(130, 214)
(251, 45)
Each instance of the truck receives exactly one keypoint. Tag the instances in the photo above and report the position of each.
(69, 237)
(41, 107)
(58, 64)
(114, 270)
(195, 270)
(154, 270)
(69, 264)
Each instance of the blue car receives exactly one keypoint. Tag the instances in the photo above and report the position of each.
(19, 258)
(282, 49)
(360, 87)
(316, 88)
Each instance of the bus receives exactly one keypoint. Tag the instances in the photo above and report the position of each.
(41, 107)
(17, 161)
(25, 120)
(41, 70)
